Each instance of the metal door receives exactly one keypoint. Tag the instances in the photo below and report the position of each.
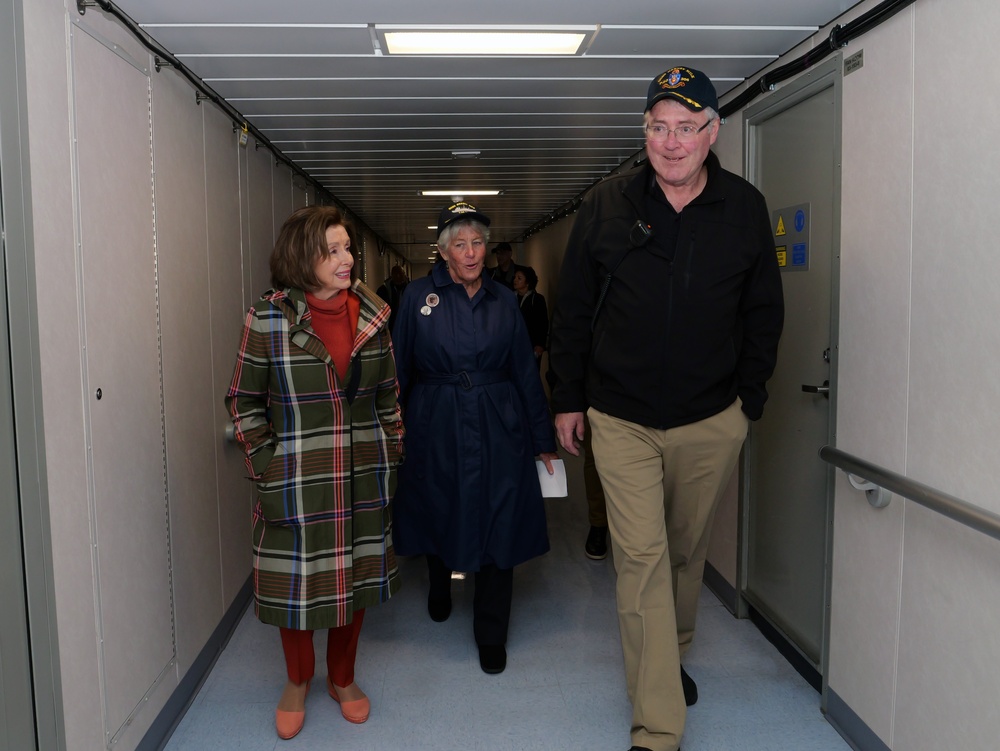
(793, 147)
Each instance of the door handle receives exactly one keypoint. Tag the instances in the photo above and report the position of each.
(824, 389)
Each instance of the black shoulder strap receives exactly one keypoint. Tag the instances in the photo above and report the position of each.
(639, 234)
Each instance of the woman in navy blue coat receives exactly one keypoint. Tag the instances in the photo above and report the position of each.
(475, 416)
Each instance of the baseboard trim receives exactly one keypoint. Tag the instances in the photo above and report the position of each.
(177, 705)
(851, 727)
(721, 588)
(802, 666)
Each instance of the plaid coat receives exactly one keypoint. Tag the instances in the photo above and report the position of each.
(324, 467)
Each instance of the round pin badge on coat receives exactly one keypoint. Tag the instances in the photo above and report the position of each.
(425, 311)
(433, 300)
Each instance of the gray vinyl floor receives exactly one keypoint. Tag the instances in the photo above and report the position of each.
(563, 688)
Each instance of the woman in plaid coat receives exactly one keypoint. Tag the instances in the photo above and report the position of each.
(314, 402)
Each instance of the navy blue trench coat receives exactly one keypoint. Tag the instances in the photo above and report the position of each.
(475, 416)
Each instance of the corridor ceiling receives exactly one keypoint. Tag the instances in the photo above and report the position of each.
(316, 79)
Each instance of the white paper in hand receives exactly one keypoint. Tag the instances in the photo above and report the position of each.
(554, 485)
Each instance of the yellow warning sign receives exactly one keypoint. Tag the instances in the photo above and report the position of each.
(782, 256)
(781, 227)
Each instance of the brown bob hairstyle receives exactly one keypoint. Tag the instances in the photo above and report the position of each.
(301, 243)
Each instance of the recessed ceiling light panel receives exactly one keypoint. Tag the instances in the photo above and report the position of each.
(484, 40)
(459, 192)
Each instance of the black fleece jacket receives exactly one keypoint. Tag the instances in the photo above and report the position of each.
(692, 316)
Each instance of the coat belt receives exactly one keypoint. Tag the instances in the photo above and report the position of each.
(466, 379)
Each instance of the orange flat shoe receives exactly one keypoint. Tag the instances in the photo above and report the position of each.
(355, 711)
(288, 724)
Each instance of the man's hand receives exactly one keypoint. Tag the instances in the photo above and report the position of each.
(569, 431)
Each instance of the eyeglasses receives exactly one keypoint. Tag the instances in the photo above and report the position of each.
(683, 133)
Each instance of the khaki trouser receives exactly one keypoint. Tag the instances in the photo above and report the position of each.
(662, 488)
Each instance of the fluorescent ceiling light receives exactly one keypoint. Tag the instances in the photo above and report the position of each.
(467, 42)
(460, 192)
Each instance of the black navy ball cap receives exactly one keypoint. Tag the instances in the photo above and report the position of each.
(460, 210)
(690, 87)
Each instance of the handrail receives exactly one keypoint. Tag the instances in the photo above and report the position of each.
(954, 508)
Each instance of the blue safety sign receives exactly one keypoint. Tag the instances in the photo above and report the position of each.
(799, 256)
(790, 226)
(800, 220)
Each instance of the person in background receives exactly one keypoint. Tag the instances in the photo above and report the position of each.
(503, 272)
(476, 416)
(314, 402)
(665, 333)
(391, 290)
(533, 308)
(596, 546)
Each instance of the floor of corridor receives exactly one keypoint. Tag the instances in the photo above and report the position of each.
(563, 688)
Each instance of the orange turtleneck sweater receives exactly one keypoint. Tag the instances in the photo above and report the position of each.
(335, 321)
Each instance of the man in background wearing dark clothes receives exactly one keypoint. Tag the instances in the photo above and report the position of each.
(503, 272)
(391, 290)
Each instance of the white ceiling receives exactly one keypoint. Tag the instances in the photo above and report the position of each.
(375, 129)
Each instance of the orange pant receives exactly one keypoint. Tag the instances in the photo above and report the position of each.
(341, 651)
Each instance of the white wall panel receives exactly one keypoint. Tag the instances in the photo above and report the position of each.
(243, 159)
(872, 373)
(956, 267)
(875, 249)
(949, 648)
(61, 357)
(544, 253)
(225, 262)
(301, 195)
(125, 428)
(188, 393)
(864, 612)
(260, 202)
(283, 196)
(947, 677)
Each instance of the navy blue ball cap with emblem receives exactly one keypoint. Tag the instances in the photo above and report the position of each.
(690, 87)
(460, 210)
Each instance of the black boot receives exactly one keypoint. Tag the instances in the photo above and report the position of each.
(492, 658)
(596, 547)
(690, 688)
(439, 610)
(439, 598)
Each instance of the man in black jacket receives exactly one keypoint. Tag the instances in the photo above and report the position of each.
(391, 290)
(665, 332)
(505, 269)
